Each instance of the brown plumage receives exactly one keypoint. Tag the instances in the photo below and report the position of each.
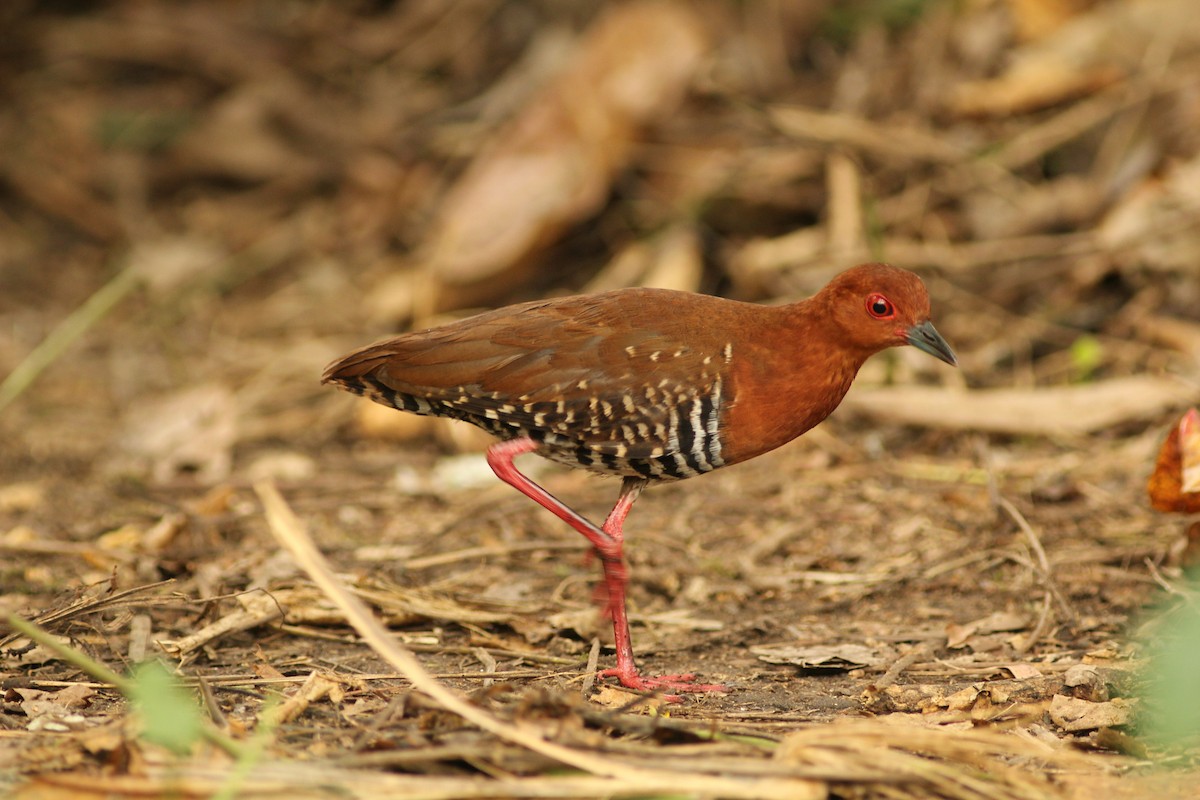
(647, 384)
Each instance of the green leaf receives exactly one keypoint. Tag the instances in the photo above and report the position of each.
(1174, 691)
(1087, 354)
(170, 716)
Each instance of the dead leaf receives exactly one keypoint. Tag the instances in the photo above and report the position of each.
(166, 264)
(981, 700)
(1154, 221)
(957, 635)
(268, 672)
(39, 701)
(841, 657)
(583, 622)
(1003, 621)
(283, 466)
(217, 500)
(21, 496)
(680, 618)
(1023, 672)
(611, 696)
(929, 761)
(553, 165)
(55, 711)
(194, 428)
(375, 421)
(1074, 715)
(534, 630)
(240, 139)
(162, 533)
(410, 605)
(367, 706)
(1036, 19)
(1177, 467)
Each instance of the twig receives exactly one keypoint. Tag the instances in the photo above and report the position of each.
(1040, 627)
(90, 606)
(1167, 586)
(290, 533)
(210, 703)
(893, 673)
(1035, 543)
(589, 672)
(845, 130)
(1043, 563)
(489, 664)
(441, 559)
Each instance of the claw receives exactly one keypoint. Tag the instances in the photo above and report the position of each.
(685, 682)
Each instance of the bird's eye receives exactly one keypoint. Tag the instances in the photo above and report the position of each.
(880, 307)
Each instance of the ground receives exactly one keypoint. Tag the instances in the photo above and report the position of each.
(954, 587)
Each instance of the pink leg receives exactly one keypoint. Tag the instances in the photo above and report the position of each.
(608, 543)
(614, 523)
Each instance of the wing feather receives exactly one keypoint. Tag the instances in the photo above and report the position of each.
(578, 367)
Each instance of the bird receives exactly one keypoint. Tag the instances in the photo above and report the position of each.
(648, 385)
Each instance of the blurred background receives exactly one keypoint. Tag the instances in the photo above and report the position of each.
(280, 181)
(202, 203)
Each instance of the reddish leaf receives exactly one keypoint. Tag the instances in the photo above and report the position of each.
(1178, 458)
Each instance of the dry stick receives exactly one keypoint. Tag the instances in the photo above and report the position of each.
(593, 662)
(290, 533)
(88, 606)
(1040, 627)
(1157, 576)
(1043, 565)
(1035, 141)
(1120, 138)
(883, 139)
(487, 551)
(210, 703)
(489, 665)
(843, 180)
(1035, 544)
(140, 627)
(1029, 145)
(893, 673)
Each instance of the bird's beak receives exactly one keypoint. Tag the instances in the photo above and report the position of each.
(925, 337)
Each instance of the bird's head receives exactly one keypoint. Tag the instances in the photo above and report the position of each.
(877, 306)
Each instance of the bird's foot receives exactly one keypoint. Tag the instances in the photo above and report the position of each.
(630, 678)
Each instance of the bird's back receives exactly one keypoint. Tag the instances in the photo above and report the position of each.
(632, 382)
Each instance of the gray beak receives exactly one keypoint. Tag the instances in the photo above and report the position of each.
(925, 337)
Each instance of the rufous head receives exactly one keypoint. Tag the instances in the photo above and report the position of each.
(878, 306)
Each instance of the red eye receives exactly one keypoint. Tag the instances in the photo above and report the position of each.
(880, 307)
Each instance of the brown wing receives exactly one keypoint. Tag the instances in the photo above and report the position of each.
(604, 374)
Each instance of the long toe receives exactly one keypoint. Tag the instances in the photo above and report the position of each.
(685, 682)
